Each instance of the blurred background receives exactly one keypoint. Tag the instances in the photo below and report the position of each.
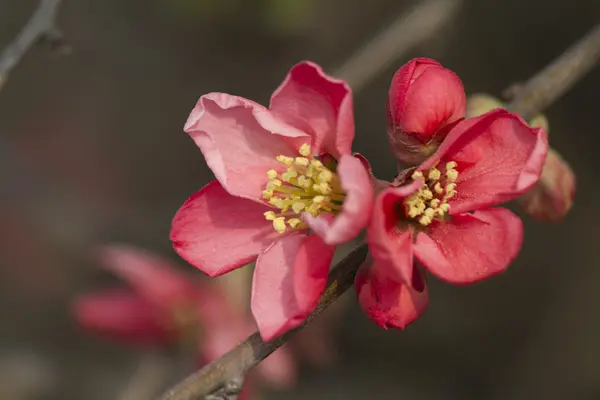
(92, 151)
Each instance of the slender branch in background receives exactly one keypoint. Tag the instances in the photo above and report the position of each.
(538, 92)
(558, 77)
(41, 27)
(409, 30)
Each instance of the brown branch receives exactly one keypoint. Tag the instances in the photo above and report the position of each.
(558, 77)
(538, 92)
(253, 350)
(41, 26)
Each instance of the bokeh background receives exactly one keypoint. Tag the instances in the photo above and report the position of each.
(92, 151)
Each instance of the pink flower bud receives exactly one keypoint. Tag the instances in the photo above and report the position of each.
(552, 197)
(424, 99)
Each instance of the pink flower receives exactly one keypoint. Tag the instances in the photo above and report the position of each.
(442, 215)
(425, 99)
(164, 307)
(280, 171)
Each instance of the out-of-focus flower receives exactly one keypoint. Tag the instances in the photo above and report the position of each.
(280, 171)
(165, 308)
(442, 215)
(552, 197)
(425, 100)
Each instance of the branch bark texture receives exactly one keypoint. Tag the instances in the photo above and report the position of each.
(41, 25)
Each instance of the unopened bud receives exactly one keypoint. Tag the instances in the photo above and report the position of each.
(552, 197)
(480, 103)
(424, 99)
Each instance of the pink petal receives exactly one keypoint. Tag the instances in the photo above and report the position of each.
(319, 105)
(217, 232)
(471, 247)
(152, 277)
(240, 140)
(387, 302)
(425, 97)
(391, 245)
(288, 281)
(122, 315)
(356, 211)
(499, 158)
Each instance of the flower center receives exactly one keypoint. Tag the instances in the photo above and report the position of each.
(431, 201)
(306, 186)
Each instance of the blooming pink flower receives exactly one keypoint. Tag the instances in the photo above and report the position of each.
(280, 171)
(425, 99)
(164, 307)
(442, 215)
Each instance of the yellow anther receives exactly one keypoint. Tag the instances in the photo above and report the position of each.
(304, 150)
(425, 220)
(430, 201)
(316, 164)
(285, 160)
(434, 174)
(303, 161)
(326, 176)
(416, 175)
(429, 212)
(298, 206)
(279, 224)
(290, 174)
(304, 182)
(306, 186)
(273, 184)
(451, 175)
(322, 188)
(294, 222)
(427, 195)
(319, 199)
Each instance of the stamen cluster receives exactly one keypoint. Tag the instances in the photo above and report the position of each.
(431, 201)
(306, 186)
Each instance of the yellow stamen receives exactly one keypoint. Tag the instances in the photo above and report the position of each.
(304, 150)
(294, 222)
(430, 202)
(306, 186)
(285, 160)
(279, 224)
(303, 161)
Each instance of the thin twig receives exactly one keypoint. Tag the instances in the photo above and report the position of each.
(403, 34)
(558, 77)
(540, 91)
(253, 350)
(41, 26)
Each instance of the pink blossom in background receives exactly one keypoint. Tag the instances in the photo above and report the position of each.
(163, 307)
(280, 171)
(425, 100)
(443, 215)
